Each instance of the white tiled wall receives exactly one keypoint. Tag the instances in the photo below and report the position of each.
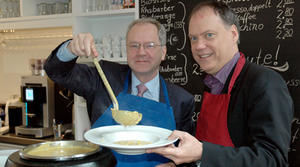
(16, 48)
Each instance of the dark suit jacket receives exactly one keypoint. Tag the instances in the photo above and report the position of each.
(259, 122)
(85, 81)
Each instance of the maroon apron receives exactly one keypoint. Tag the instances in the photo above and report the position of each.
(212, 120)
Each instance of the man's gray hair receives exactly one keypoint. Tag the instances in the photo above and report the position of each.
(162, 34)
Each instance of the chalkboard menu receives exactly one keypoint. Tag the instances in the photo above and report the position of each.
(268, 37)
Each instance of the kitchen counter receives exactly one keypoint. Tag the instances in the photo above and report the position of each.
(10, 143)
(13, 139)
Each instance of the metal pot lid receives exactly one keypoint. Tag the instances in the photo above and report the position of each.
(59, 150)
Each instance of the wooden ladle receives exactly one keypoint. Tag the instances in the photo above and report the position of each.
(123, 117)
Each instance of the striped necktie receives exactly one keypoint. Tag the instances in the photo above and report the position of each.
(141, 89)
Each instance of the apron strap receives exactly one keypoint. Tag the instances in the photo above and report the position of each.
(237, 70)
(125, 88)
(164, 87)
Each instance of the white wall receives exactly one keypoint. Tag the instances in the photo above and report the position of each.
(16, 48)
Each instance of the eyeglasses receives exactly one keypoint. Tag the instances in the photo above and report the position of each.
(147, 46)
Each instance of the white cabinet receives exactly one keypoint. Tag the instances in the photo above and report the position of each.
(110, 23)
(31, 22)
(106, 26)
(31, 18)
(44, 7)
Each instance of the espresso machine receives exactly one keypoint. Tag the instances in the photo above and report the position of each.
(37, 93)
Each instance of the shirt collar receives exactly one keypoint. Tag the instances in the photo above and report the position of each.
(153, 89)
(226, 69)
(217, 82)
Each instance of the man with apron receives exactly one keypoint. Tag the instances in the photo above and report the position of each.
(163, 104)
(246, 109)
(152, 111)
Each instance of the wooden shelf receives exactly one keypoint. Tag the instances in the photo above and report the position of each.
(26, 22)
(119, 12)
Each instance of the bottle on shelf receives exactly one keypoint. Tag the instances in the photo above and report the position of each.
(128, 3)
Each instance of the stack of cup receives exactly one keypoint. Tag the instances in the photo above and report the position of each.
(37, 66)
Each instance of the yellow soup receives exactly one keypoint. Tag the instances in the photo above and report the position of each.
(49, 151)
(132, 142)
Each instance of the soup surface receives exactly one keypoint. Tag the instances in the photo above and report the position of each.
(49, 151)
(132, 142)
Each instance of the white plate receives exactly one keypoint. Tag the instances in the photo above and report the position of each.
(106, 136)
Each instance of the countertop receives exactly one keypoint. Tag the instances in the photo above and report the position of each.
(13, 139)
(11, 143)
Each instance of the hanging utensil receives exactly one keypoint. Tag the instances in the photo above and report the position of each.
(123, 117)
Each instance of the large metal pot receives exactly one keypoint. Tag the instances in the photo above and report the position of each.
(62, 153)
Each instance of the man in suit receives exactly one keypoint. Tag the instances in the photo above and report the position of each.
(163, 104)
(246, 112)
